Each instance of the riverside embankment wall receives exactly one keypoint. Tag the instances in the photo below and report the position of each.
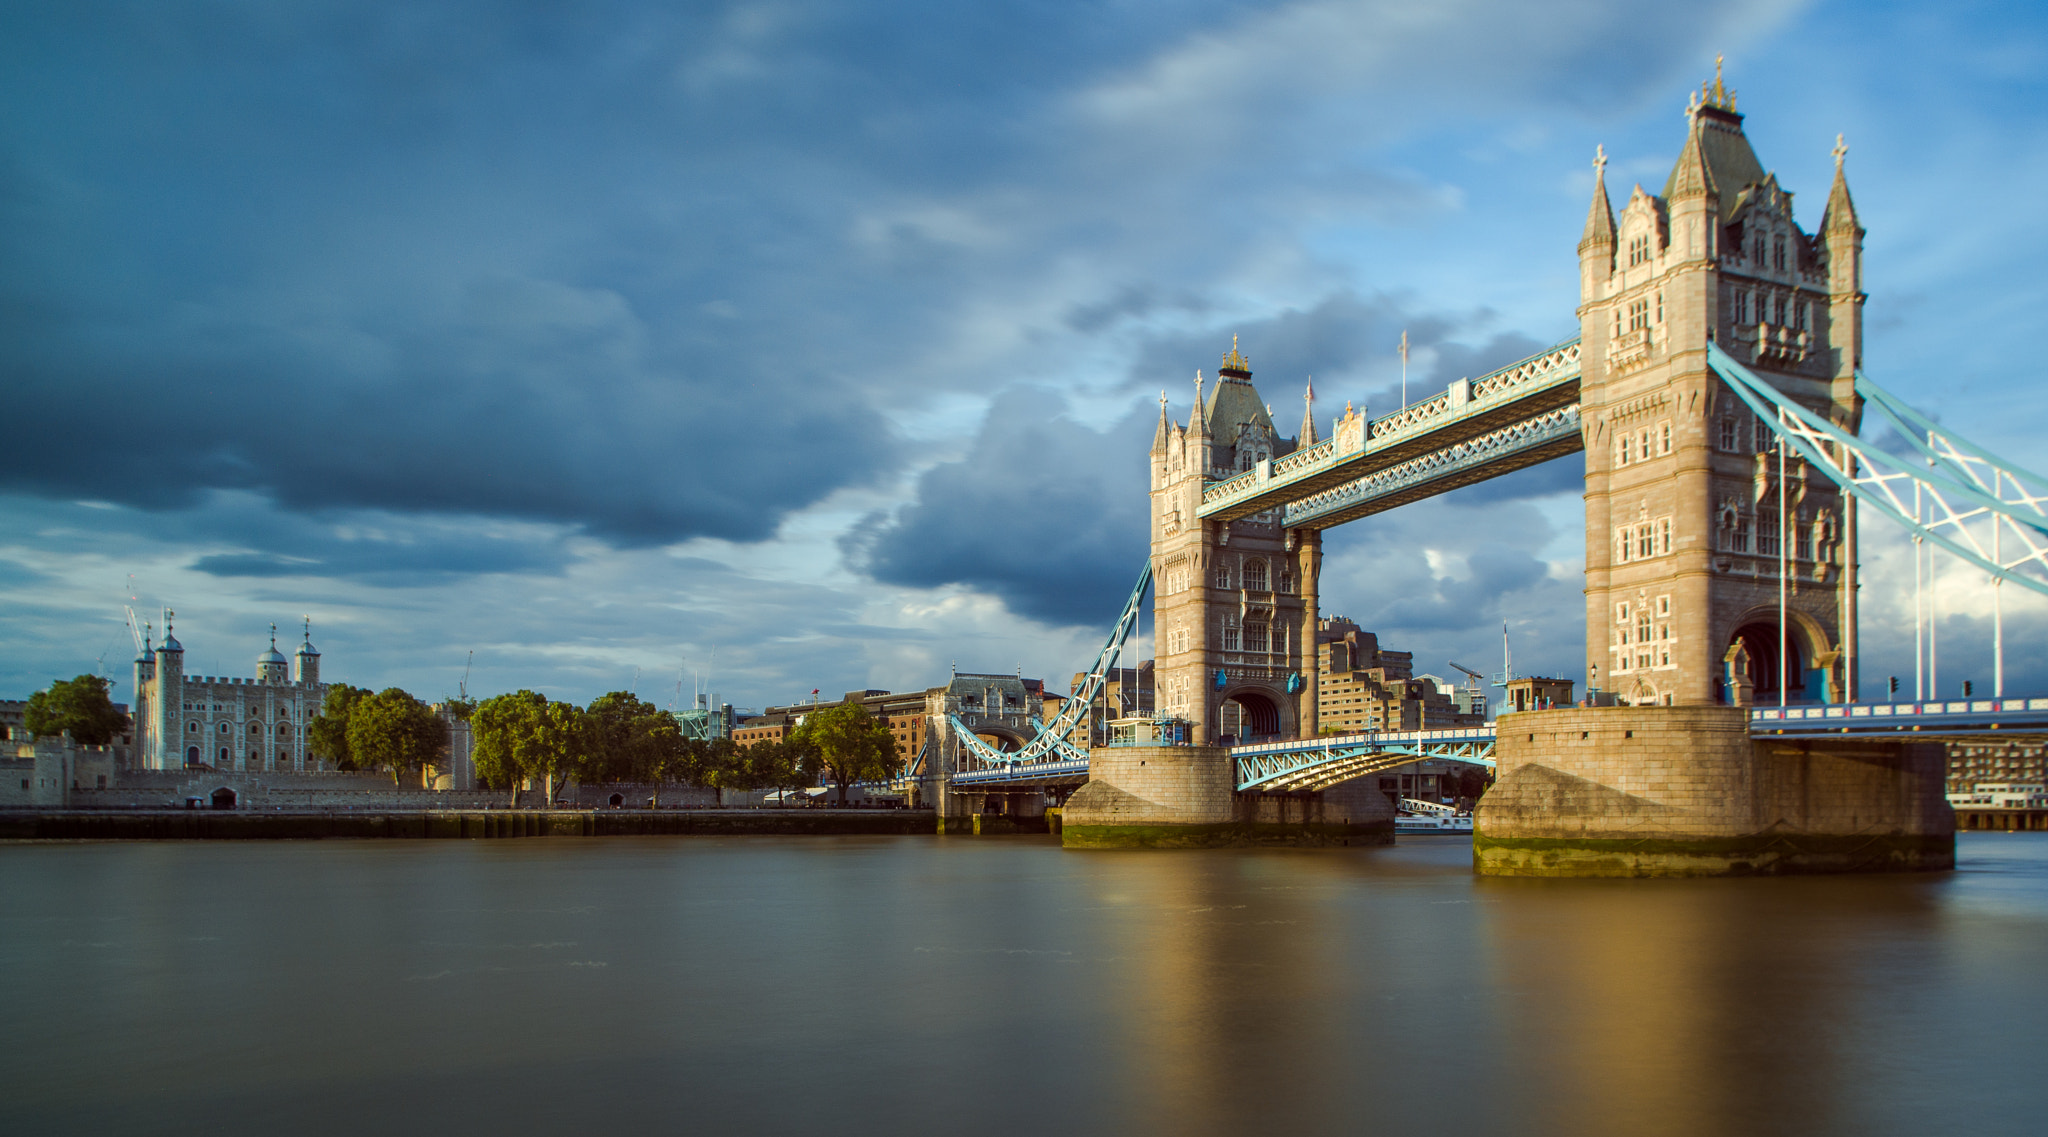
(214, 825)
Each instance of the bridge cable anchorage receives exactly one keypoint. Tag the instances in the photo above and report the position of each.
(1987, 511)
(1050, 744)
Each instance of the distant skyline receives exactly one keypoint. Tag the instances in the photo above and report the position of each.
(805, 345)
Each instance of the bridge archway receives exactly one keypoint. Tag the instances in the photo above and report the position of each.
(1757, 632)
(1249, 714)
(1001, 737)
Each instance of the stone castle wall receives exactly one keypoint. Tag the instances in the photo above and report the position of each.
(1182, 796)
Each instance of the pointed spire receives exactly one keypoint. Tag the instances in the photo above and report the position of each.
(1692, 177)
(1165, 431)
(1196, 424)
(1600, 214)
(1308, 416)
(1840, 215)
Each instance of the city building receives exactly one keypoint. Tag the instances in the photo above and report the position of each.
(222, 722)
(1980, 760)
(1362, 686)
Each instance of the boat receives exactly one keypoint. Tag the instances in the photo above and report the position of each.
(1413, 816)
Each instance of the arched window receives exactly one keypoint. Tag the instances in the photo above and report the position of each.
(254, 729)
(191, 728)
(283, 731)
(1255, 575)
(223, 730)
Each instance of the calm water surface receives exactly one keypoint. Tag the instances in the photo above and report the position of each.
(913, 985)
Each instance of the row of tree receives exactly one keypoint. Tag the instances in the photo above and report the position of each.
(524, 737)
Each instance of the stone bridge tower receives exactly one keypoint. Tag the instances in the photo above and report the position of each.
(1682, 482)
(1233, 602)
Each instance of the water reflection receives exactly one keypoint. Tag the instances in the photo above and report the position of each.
(882, 985)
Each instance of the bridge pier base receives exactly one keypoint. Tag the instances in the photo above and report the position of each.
(1178, 797)
(1687, 791)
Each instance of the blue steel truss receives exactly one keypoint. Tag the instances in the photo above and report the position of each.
(1051, 744)
(1550, 435)
(1985, 510)
(1318, 763)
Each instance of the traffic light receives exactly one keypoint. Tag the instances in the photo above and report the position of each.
(1966, 688)
(1893, 687)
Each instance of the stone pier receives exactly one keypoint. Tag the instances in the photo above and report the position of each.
(1686, 791)
(1172, 797)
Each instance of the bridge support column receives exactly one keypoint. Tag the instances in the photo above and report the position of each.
(1169, 797)
(1687, 791)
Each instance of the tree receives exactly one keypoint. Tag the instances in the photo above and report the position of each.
(621, 727)
(327, 734)
(663, 756)
(80, 706)
(850, 743)
(501, 727)
(560, 746)
(392, 730)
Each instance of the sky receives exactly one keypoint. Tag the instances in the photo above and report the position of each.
(764, 347)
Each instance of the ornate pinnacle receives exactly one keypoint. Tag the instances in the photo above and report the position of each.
(1840, 152)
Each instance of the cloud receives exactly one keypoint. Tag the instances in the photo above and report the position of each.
(1047, 513)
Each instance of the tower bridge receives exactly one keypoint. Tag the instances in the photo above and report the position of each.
(1715, 390)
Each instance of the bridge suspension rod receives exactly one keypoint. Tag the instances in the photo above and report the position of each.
(1989, 512)
(1050, 744)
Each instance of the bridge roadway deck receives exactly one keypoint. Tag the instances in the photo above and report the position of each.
(1317, 763)
(1505, 417)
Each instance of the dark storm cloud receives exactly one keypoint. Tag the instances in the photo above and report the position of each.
(1045, 512)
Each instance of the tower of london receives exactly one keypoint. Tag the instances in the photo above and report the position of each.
(227, 723)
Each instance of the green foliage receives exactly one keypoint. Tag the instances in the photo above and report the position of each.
(621, 730)
(393, 731)
(327, 734)
(523, 735)
(80, 706)
(849, 742)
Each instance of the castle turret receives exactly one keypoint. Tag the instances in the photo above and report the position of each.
(270, 666)
(306, 661)
(166, 710)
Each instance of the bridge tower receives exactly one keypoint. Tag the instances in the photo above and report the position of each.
(1682, 484)
(1233, 602)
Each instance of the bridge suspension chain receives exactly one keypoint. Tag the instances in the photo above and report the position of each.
(1987, 511)
(1051, 743)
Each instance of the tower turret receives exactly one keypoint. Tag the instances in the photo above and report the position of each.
(306, 660)
(166, 711)
(271, 666)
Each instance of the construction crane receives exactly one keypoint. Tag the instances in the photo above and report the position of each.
(462, 688)
(1476, 677)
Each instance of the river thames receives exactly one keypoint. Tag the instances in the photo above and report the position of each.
(1001, 985)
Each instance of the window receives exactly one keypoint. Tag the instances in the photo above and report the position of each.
(1230, 638)
(1728, 435)
(1621, 452)
(1663, 438)
(1778, 254)
(1738, 535)
(1623, 547)
(1256, 637)
(1643, 627)
(191, 728)
(1660, 307)
(1638, 315)
(1664, 544)
(1761, 431)
(1639, 250)
(1643, 444)
(1803, 547)
(223, 728)
(1223, 576)
(1286, 581)
(1255, 575)
(1646, 545)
